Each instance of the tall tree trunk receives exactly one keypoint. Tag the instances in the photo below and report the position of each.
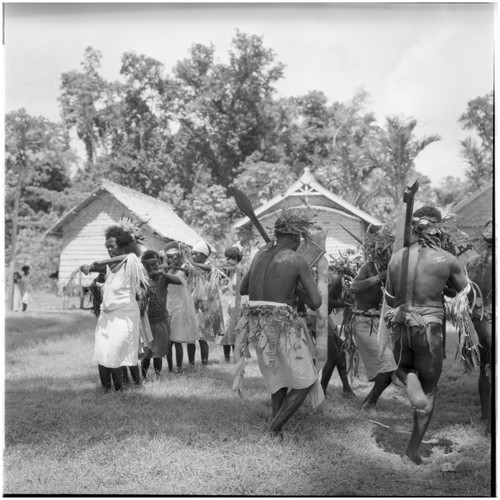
(13, 244)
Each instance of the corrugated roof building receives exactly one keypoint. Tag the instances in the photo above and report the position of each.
(331, 211)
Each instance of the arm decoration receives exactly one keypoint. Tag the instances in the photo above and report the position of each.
(468, 340)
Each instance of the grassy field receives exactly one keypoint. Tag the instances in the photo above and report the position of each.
(190, 434)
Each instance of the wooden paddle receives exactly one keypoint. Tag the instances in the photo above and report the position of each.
(246, 207)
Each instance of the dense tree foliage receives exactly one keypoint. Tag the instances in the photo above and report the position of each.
(38, 159)
(187, 135)
(478, 154)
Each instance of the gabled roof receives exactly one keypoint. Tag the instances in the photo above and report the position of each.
(459, 207)
(159, 216)
(308, 189)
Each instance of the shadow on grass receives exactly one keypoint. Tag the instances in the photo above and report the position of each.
(32, 328)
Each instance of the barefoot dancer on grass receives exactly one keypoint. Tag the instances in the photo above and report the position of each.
(367, 291)
(278, 273)
(180, 306)
(416, 319)
(125, 281)
(157, 311)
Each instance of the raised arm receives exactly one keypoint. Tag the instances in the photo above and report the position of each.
(169, 278)
(100, 266)
(204, 267)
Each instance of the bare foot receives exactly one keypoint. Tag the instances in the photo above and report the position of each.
(410, 457)
(368, 409)
(348, 394)
(415, 393)
(277, 434)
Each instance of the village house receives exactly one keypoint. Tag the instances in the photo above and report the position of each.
(332, 213)
(82, 228)
(472, 213)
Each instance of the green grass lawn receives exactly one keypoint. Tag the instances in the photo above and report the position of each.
(190, 434)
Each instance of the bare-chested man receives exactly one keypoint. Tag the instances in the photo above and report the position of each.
(367, 291)
(417, 316)
(480, 269)
(276, 275)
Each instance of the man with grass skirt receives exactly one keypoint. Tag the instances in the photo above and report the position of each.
(125, 281)
(276, 275)
(416, 278)
(480, 269)
(367, 290)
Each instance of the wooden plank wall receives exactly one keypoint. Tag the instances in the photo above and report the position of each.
(83, 238)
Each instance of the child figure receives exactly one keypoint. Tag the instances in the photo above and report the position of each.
(157, 311)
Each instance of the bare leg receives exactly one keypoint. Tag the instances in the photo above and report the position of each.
(483, 328)
(335, 359)
(117, 374)
(290, 405)
(191, 350)
(382, 382)
(158, 365)
(204, 351)
(105, 377)
(342, 367)
(277, 399)
(135, 374)
(421, 421)
(428, 366)
(332, 359)
(145, 366)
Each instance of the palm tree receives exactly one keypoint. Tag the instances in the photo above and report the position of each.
(395, 156)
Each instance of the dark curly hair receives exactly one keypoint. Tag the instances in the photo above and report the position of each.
(233, 253)
(122, 237)
(428, 212)
(150, 254)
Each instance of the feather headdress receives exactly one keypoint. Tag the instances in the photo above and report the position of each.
(295, 221)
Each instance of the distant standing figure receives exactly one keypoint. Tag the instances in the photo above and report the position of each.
(26, 287)
(17, 302)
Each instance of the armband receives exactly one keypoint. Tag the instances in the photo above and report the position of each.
(388, 294)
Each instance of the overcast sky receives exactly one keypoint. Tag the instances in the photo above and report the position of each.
(420, 60)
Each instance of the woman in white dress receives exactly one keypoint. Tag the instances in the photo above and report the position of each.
(125, 281)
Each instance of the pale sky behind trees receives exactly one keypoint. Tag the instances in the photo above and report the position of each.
(421, 60)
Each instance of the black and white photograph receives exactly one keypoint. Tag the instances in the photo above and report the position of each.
(249, 249)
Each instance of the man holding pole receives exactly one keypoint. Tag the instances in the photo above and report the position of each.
(278, 274)
(416, 277)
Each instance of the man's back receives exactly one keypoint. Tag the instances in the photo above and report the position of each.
(429, 269)
(274, 274)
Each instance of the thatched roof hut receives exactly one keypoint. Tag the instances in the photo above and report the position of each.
(82, 228)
